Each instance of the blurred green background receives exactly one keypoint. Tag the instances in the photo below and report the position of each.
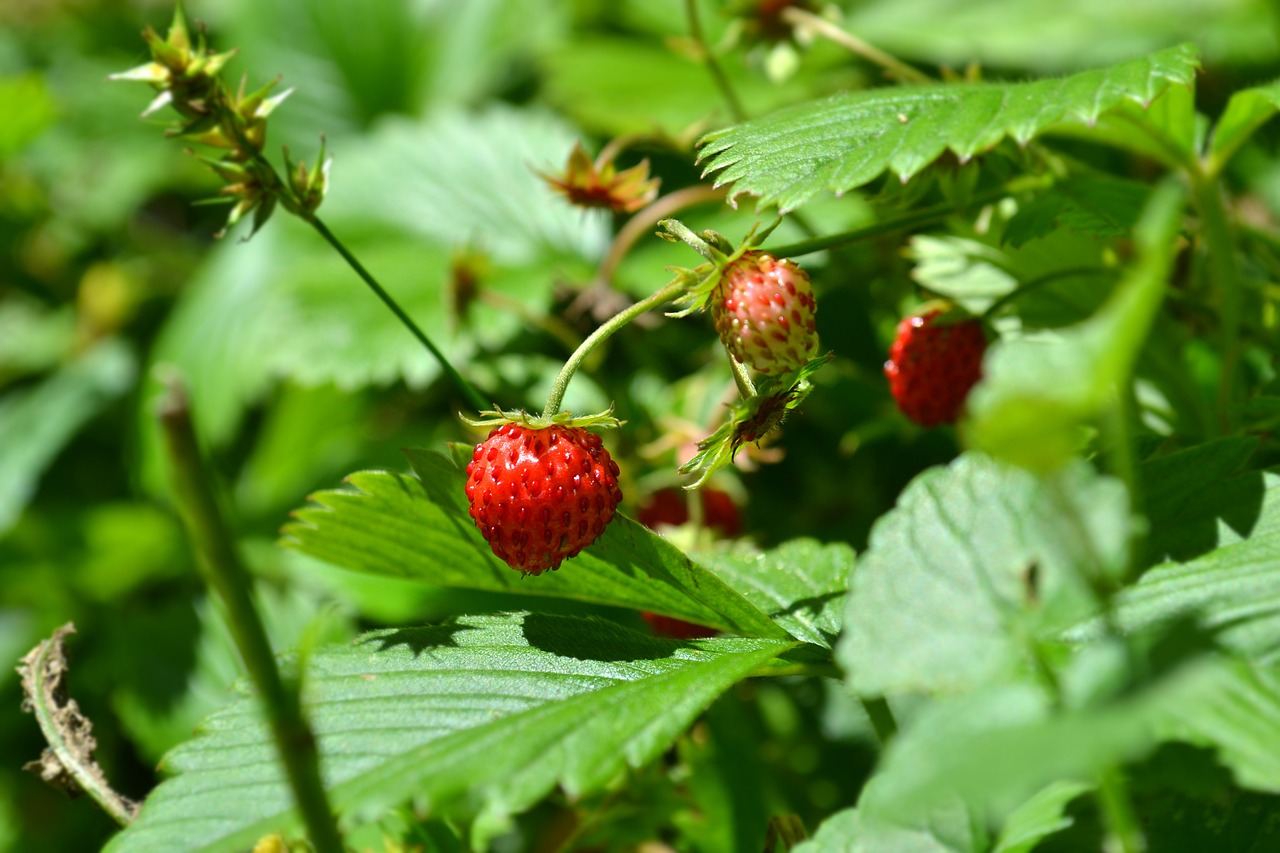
(437, 114)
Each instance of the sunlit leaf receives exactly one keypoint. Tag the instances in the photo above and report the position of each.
(840, 143)
(974, 561)
(406, 527)
(478, 717)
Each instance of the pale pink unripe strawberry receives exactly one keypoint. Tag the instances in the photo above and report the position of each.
(763, 309)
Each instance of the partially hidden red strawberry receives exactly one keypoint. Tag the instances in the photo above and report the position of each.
(540, 495)
(932, 365)
(763, 310)
(671, 507)
(676, 629)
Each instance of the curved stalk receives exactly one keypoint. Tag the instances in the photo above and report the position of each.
(667, 294)
(801, 19)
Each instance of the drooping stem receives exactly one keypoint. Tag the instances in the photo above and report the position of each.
(667, 294)
(464, 387)
(230, 580)
(1220, 244)
(713, 65)
(802, 19)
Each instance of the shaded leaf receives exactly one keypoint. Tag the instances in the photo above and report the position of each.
(976, 559)
(1039, 817)
(842, 142)
(419, 529)
(483, 715)
(1039, 392)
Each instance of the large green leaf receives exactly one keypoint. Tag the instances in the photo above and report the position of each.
(1039, 392)
(801, 584)
(482, 716)
(1247, 111)
(974, 562)
(840, 143)
(994, 749)
(418, 528)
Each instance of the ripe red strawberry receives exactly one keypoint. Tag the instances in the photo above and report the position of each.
(933, 365)
(671, 507)
(763, 309)
(541, 495)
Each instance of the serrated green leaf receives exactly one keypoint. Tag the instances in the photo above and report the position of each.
(840, 143)
(1247, 111)
(801, 584)
(418, 528)
(482, 716)
(1039, 392)
(1096, 206)
(974, 560)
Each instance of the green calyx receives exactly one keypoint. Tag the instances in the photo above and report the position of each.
(751, 419)
(497, 417)
(701, 281)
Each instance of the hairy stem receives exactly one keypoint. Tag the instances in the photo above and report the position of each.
(713, 65)
(802, 19)
(226, 574)
(667, 294)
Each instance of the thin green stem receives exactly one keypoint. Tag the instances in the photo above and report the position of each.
(667, 294)
(1123, 830)
(713, 65)
(465, 388)
(914, 219)
(644, 221)
(1039, 281)
(882, 720)
(287, 199)
(1220, 242)
(226, 574)
(802, 19)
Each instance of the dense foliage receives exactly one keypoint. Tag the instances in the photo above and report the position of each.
(1052, 625)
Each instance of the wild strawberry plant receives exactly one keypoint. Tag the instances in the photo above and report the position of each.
(980, 366)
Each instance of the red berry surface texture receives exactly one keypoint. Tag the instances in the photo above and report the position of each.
(763, 309)
(541, 495)
(932, 365)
